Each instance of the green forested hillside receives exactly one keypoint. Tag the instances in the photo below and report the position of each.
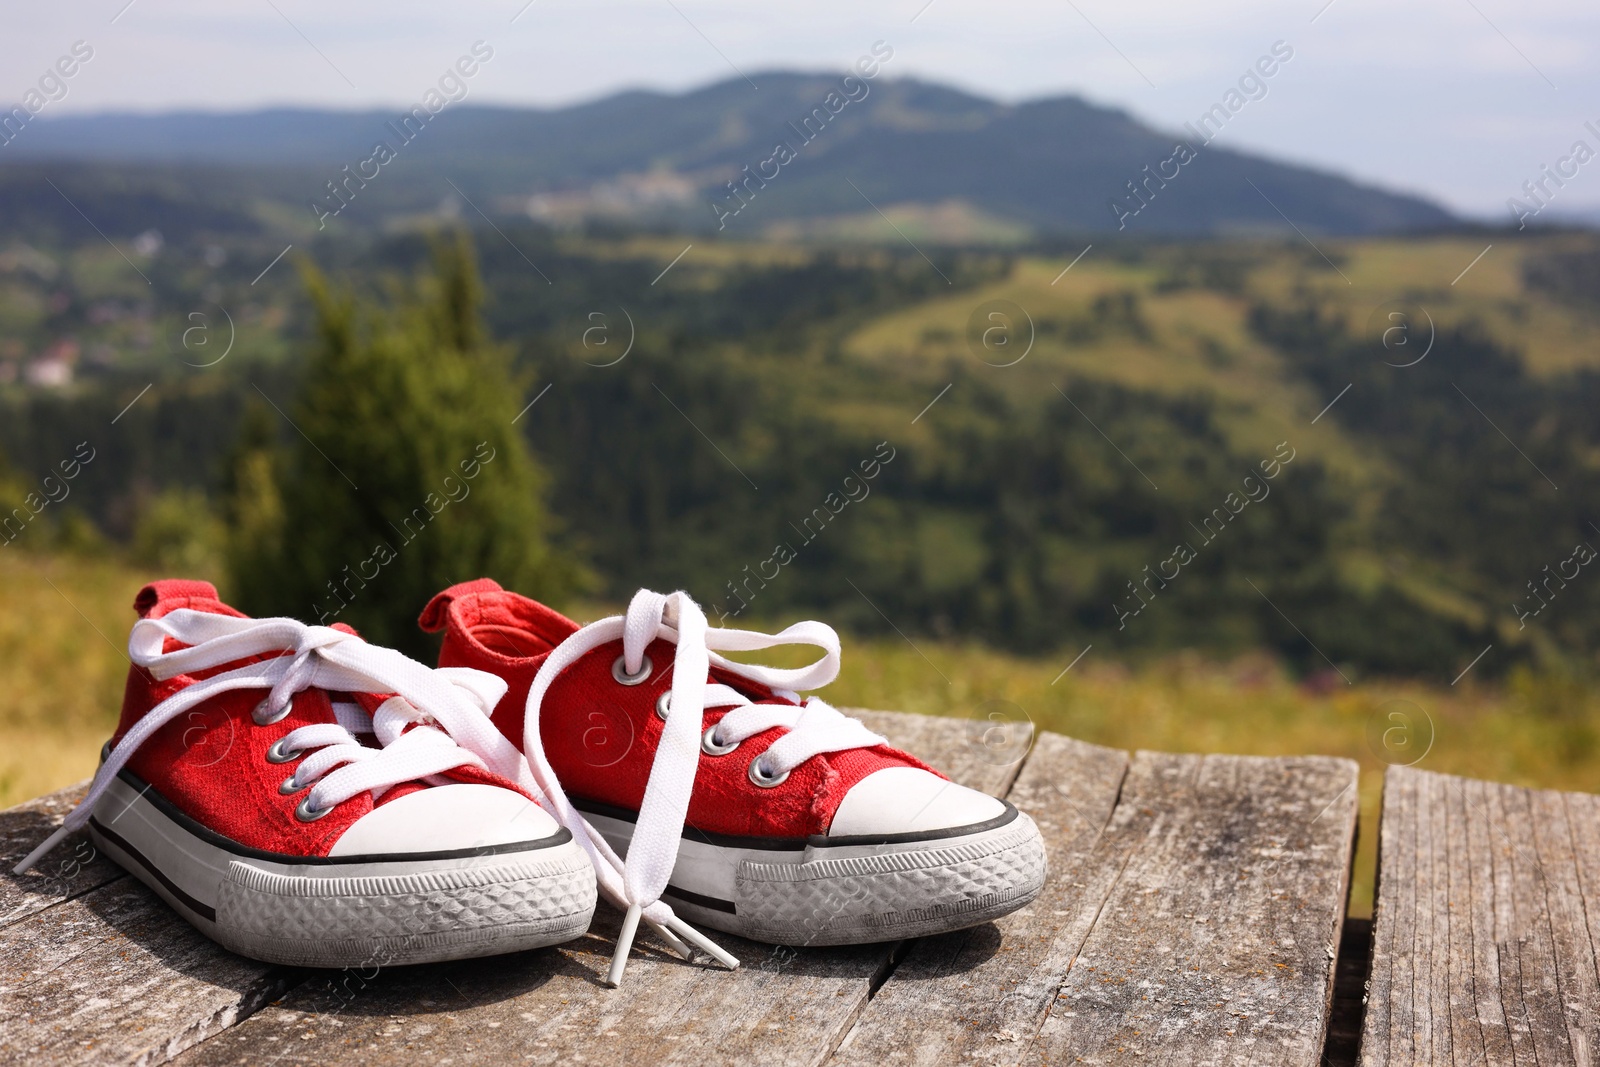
(1101, 476)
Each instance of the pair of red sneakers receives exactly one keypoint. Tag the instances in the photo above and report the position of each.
(304, 797)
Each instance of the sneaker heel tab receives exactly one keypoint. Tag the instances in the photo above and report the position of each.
(171, 589)
(432, 619)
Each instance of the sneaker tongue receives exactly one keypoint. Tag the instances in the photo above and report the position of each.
(461, 775)
(367, 704)
(402, 790)
(514, 626)
(757, 692)
(158, 598)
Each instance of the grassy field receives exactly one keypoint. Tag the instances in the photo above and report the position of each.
(1197, 338)
(65, 620)
(63, 639)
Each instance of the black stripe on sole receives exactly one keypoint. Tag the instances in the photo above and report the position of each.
(699, 900)
(205, 911)
(800, 844)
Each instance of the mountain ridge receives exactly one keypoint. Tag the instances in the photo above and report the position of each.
(1048, 165)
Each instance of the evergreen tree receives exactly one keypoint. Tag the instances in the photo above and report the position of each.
(406, 473)
(253, 507)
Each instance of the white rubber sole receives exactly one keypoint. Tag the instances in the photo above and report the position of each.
(845, 891)
(357, 911)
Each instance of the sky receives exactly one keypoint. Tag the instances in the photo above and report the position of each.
(1461, 100)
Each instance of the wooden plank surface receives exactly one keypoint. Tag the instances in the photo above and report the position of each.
(94, 967)
(784, 1006)
(1191, 916)
(977, 753)
(982, 994)
(72, 869)
(1486, 926)
(1216, 944)
(116, 976)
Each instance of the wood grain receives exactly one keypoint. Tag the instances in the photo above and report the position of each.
(1216, 944)
(975, 752)
(980, 995)
(95, 967)
(71, 869)
(1486, 925)
(115, 976)
(1192, 916)
(784, 1006)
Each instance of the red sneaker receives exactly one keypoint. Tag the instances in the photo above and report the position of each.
(748, 809)
(239, 789)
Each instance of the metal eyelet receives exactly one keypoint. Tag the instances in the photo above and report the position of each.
(306, 813)
(258, 715)
(663, 705)
(619, 671)
(712, 747)
(289, 785)
(759, 777)
(278, 754)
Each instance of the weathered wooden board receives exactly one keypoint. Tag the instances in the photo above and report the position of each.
(1486, 927)
(1216, 944)
(1191, 916)
(116, 976)
(94, 967)
(975, 752)
(980, 995)
(71, 870)
(784, 1006)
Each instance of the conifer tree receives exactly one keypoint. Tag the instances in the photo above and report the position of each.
(406, 474)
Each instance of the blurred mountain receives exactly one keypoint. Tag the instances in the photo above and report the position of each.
(938, 161)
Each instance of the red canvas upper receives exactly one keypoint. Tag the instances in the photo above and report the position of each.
(600, 736)
(211, 762)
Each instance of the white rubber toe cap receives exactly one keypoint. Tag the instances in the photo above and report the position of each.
(903, 800)
(446, 817)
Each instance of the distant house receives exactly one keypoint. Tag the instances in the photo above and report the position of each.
(54, 367)
(49, 373)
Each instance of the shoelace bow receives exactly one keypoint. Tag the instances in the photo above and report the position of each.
(450, 705)
(814, 728)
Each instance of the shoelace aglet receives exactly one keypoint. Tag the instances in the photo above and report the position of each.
(675, 932)
(703, 943)
(619, 958)
(670, 938)
(45, 846)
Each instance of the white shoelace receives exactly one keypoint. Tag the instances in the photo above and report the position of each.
(813, 729)
(451, 706)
